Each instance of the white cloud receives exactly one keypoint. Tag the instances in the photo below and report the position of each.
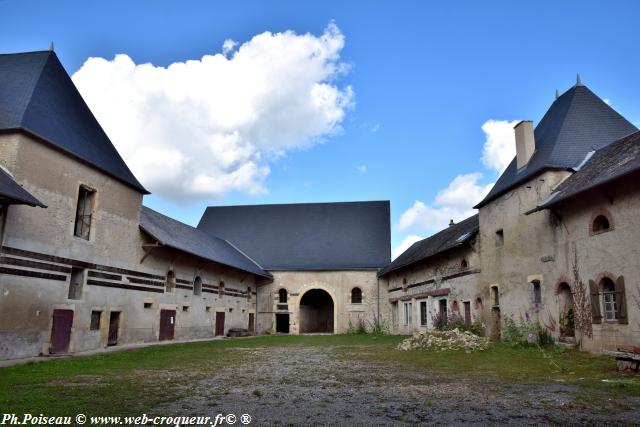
(406, 243)
(362, 168)
(454, 202)
(500, 144)
(203, 128)
(607, 101)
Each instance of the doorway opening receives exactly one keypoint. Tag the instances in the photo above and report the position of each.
(114, 325)
(316, 312)
(282, 323)
(61, 331)
(167, 324)
(565, 301)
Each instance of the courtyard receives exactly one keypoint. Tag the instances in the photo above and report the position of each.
(330, 380)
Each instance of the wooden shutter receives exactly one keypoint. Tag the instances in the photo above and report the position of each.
(621, 300)
(595, 303)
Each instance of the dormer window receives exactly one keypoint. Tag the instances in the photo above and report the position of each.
(84, 210)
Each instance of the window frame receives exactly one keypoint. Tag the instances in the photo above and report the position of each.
(359, 298)
(84, 201)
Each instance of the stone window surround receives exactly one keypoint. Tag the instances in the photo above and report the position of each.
(600, 212)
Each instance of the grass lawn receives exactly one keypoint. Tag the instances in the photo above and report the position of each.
(133, 382)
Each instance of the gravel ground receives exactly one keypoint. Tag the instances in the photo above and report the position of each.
(316, 386)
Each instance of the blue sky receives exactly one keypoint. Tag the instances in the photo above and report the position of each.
(425, 78)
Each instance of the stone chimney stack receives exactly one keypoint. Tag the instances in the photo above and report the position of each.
(451, 223)
(525, 142)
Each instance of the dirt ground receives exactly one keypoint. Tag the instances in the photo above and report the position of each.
(317, 386)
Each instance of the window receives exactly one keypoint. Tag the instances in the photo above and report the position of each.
(356, 296)
(443, 307)
(455, 306)
(148, 304)
(609, 299)
(282, 296)
(500, 237)
(171, 281)
(185, 308)
(495, 296)
(600, 224)
(84, 209)
(197, 286)
(407, 313)
(464, 264)
(95, 320)
(423, 313)
(221, 288)
(536, 288)
(76, 283)
(479, 303)
(207, 309)
(249, 293)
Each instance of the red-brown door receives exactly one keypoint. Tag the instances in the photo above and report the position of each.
(252, 326)
(61, 331)
(167, 324)
(114, 325)
(219, 323)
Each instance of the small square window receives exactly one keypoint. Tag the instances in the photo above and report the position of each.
(95, 320)
(185, 308)
(148, 304)
(208, 309)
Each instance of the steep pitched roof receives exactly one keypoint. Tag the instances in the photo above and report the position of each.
(38, 96)
(605, 165)
(185, 238)
(306, 236)
(12, 193)
(449, 238)
(576, 123)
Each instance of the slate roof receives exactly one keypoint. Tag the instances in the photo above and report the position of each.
(449, 238)
(306, 236)
(38, 96)
(12, 193)
(605, 165)
(185, 238)
(576, 123)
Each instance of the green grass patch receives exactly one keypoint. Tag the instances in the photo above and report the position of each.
(132, 382)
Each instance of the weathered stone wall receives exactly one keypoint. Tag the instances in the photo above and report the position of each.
(441, 278)
(338, 284)
(40, 251)
(545, 247)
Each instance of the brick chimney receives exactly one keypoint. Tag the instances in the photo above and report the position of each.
(525, 142)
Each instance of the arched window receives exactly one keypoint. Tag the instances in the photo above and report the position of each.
(221, 288)
(282, 295)
(464, 264)
(600, 224)
(536, 290)
(197, 286)
(609, 299)
(249, 292)
(479, 303)
(495, 296)
(455, 306)
(356, 296)
(171, 281)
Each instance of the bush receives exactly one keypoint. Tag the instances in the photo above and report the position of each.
(360, 328)
(526, 332)
(379, 327)
(455, 321)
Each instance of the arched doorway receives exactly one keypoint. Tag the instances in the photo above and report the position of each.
(565, 305)
(316, 312)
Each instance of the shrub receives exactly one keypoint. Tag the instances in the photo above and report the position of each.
(455, 321)
(525, 332)
(378, 326)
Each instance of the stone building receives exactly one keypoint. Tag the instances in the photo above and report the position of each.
(324, 258)
(437, 276)
(84, 265)
(558, 233)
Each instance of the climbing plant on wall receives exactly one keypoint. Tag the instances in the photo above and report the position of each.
(581, 302)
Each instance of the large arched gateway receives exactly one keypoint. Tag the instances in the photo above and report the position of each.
(316, 312)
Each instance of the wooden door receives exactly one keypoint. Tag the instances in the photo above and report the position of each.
(114, 325)
(467, 312)
(252, 326)
(219, 323)
(61, 331)
(167, 324)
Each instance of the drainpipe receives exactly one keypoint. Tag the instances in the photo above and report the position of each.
(378, 282)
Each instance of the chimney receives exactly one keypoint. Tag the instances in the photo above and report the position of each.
(525, 142)
(451, 223)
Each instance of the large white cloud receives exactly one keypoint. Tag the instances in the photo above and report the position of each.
(203, 128)
(454, 202)
(500, 144)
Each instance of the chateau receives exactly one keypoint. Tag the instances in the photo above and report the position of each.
(85, 265)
